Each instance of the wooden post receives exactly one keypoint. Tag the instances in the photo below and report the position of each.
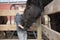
(39, 33)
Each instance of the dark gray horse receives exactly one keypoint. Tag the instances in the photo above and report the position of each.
(33, 11)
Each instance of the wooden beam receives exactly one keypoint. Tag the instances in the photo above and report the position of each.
(49, 8)
(8, 12)
(16, 39)
(13, 28)
(23, 2)
(53, 7)
(50, 34)
(7, 27)
(56, 6)
(39, 33)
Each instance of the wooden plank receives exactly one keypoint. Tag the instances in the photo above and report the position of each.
(50, 34)
(8, 12)
(49, 8)
(22, 2)
(53, 7)
(46, 20)
(56, 6)
(7, 27)
(16, 39)
(13, 28)
(39, 33)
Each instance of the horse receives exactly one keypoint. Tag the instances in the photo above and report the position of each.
(32, 12)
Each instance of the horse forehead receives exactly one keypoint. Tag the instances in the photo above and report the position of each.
(34, 7)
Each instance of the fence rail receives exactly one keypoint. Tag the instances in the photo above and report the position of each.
(50, 34)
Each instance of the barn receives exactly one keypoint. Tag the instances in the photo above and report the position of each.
(41, 15)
